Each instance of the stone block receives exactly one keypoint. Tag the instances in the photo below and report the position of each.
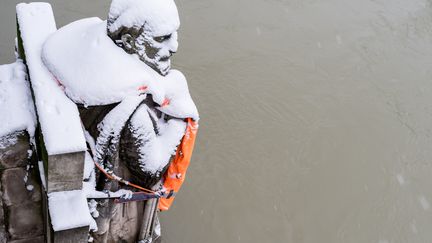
(77, 235)
(65, 172)
(14, 188)
(39, 239)
(25, 221)
(13, 150)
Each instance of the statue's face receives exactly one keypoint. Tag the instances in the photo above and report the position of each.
(146, 28)
(156, 51)
(153, 50)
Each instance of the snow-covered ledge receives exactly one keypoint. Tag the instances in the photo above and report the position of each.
(60, 139)
(58, 116)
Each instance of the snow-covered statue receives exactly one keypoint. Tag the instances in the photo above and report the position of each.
(138, 115)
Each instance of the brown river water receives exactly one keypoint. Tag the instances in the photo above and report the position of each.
(316, 118)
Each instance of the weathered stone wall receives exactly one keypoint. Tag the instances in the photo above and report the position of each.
(21, 217)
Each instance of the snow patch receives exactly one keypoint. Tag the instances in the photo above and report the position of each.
(160, 17)
(42, 174)
(16, 104)
(8, 140)
(77, 213)
(88, 166)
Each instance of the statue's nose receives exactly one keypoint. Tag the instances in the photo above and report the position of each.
(173, 45)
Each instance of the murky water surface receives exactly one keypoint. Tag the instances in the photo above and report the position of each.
(316, 118)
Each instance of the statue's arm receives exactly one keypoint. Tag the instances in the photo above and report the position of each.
(149, 142)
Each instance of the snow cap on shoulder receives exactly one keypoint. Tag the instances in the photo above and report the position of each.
(159, 16)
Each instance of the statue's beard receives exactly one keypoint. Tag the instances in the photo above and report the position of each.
(163, 67)
(161, 64)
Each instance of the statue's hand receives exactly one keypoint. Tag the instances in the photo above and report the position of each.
(126, 194)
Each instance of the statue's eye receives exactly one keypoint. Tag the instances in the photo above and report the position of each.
(162, 38)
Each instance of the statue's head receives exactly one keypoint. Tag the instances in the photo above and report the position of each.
(147, 28)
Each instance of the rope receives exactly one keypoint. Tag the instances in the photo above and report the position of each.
(112, 176)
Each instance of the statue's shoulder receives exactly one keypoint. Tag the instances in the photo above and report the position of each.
(176, 89)
(175, 82)
(92, 69)
(74, 29)
(178, 75)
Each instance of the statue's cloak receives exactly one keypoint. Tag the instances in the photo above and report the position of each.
(94, 71)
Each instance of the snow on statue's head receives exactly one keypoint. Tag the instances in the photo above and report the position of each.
(147, 28)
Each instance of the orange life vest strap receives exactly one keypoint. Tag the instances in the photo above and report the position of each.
(175, 175)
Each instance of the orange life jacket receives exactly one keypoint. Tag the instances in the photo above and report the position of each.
(175, 175)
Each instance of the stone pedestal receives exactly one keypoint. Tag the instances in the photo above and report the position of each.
(21, 218)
